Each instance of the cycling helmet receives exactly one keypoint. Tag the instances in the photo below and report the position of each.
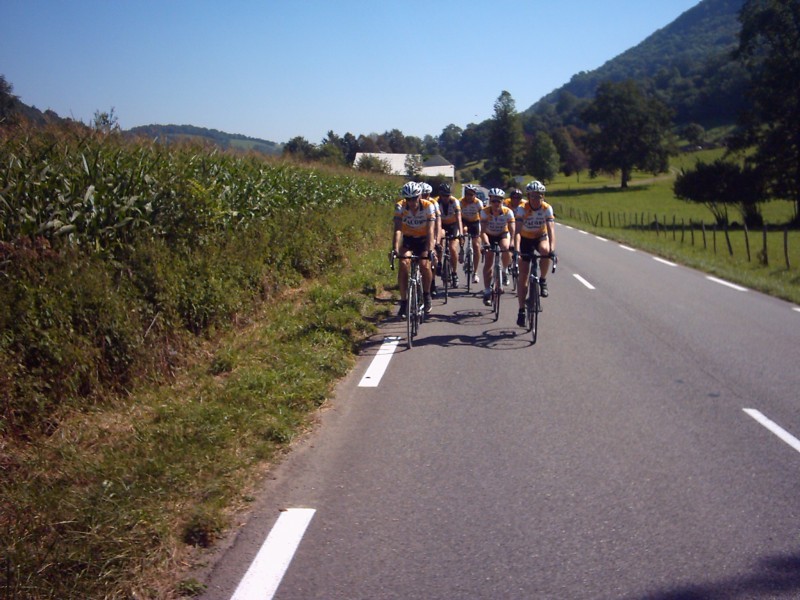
(426, 188)
(444, 189)
(516, 192)
(469, 188)
(411, 190)
(535, 186)
(496, 192)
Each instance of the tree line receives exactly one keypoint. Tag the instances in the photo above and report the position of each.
(627, 127)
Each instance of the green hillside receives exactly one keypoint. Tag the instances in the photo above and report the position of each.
(687, 64)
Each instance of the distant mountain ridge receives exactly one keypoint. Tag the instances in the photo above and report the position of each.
(687, 64)
(173, 133)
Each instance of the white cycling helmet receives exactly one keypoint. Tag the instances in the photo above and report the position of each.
(535, 186)
(411, 190)
(426, 188)
(497, 192)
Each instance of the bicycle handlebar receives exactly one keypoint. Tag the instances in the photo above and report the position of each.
(536, 255)
(393, 255)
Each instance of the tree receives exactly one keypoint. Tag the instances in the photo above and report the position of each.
(542, 159)
(769, 48)
(506, 140)
(373, 164)
(628, 131)
(722, 184)
(573, 159)
(413, 165)
(300, 148)
(7, 101)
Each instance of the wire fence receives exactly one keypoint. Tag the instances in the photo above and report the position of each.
(713, 237)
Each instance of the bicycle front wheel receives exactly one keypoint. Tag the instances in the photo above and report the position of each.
(533, 309)
(446, 275)
(411, 311)
(468, 264)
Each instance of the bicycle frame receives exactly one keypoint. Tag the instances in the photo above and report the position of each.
(497, 281)
(533, 301)
(415, 311)
(468, 259)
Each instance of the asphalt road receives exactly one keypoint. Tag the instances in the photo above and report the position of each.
(613, 459)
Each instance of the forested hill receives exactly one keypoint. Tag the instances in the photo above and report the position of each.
(687, 64)
(169, 133)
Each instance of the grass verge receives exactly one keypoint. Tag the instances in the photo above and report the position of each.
(116, 502)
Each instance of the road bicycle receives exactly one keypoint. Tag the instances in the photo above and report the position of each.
(415, 306)
(466, 240)
(449, 274)
(513, 270)
(533, 302)
(497, 277)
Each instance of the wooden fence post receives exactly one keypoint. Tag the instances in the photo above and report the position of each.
(728, 240)
(703, 226)
(715, 238)
(765, 255)
(747, 242)
(786, 245)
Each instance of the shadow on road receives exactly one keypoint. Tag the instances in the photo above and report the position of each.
(773, 577)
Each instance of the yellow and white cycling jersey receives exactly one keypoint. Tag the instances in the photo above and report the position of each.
(471, 209)
(496, 224)
(449, 210)
(415, 223)
(532, 223)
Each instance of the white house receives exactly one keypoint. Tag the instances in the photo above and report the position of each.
(434, 166)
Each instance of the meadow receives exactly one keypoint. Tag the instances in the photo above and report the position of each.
(650, 217)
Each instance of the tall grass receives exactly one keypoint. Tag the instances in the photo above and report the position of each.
(171, 315)
(111, 249)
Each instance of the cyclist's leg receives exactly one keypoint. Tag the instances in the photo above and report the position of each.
(402, 274)
(505, 244)
(544, 250)
(522, 283)
(453, 253)
(544, 264)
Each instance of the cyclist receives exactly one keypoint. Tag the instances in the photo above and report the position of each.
(414, 220)
(427, 190)
(450, 209)
(535, 231)
(497, 226)
(514, 200)
(471, 207)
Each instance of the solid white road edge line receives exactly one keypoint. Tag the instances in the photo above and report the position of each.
(583, 281)
(379, 364)
(666, 262)
(727, 283)
(268, 567)
(774, 428)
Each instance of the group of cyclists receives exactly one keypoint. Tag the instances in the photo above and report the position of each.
(422, 224)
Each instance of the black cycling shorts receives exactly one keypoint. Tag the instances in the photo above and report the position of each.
(417, 245)
(473, 228)
(529, 245)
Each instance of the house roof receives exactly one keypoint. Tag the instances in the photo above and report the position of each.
(437, 161)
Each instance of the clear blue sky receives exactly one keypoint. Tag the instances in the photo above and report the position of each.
(275, 69)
